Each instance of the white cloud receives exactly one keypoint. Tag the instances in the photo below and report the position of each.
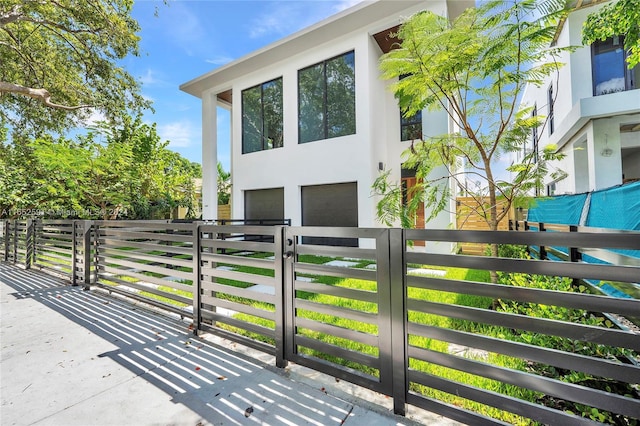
(190, 29)
(154, 78)
(180, 134)
(94, 117)
(276, 21)
(285, 17)
(219, 60)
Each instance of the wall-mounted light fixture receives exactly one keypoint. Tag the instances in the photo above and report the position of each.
(606, 151)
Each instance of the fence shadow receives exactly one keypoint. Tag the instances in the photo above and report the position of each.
(221, 385)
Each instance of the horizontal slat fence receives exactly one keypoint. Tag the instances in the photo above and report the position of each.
(540, 348)
(241, 285)
(148, 260)
(428, 330)
(339, 317)
(55, 245)
(18, 246)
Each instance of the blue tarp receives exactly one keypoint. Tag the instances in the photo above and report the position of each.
(614, 208)
(562, 210)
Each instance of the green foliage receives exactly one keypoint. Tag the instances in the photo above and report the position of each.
(124, 172)
(60, 63)
(224, 185)
(582, 347)
(500, 47)
(620, 18)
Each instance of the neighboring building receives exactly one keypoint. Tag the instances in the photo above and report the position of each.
(593, 110)
(313, 123)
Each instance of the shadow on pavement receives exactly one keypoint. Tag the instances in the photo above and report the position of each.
(220, 385)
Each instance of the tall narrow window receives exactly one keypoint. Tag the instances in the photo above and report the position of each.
(534, 135)
(262, 117)
(550, 106)
(327, 99)
(410, 127)
(609, 67)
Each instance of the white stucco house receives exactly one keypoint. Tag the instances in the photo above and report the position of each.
(593, 111)
(312, 122)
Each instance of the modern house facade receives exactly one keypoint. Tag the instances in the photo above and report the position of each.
(312, 122)
(593, 111)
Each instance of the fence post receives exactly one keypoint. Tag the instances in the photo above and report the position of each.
(399, 344)
(543, 251)
(574, 255)
(5, 249)
(87, 228)
(28, 244)
(74, 253)
(15, 242)
(289, 257)
(280, 247)
(197, 273)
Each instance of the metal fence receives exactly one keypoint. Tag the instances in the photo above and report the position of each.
(426, 329)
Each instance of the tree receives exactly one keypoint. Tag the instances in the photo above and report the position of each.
(474, 68)
(84, 178)
(620, 18)
(123, 172)
(60, 62)
(224, 185)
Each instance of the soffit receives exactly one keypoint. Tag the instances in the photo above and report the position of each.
(388, 39)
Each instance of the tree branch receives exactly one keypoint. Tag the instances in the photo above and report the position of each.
(42, 95)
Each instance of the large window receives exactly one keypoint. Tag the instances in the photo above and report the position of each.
(609, 67)
(327, 99)
(262, 117)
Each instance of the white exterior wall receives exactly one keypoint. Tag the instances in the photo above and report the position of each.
(335, 160)
(351, 158)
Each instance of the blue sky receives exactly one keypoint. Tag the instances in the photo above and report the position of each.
(189, 38)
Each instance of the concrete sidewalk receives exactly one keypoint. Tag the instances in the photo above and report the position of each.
(73, 357)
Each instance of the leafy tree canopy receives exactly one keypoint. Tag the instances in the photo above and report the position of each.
(620, 18)
(475, 69)
(60, 62)
(123, 172)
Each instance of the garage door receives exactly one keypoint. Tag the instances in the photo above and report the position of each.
(330, 205)
(264, 204)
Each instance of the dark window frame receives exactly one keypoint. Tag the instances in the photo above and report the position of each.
(407, 132)
(534, 136)
(550, 102)
(265, 145)
(606, 46)
(408, 122)
(325, 100)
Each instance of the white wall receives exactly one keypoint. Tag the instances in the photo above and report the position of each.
(351, 158)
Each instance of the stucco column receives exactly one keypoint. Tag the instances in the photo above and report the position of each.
(209, 157)
(607, 168)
